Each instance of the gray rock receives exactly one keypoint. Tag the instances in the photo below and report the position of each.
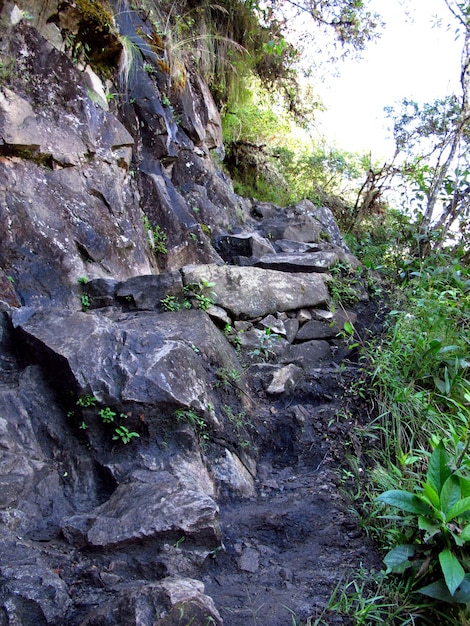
(308, 354)
(307, 262)
(219, 315)
(304, 315)
(20, 127)
(284, 379)
(40, 484)
(143, 511)
(297, 227)
(186, 597)
(291, 326)
(328, 223)
(31, 591)
(169, 598)
(101, 292)
(231, 247)
(322, 316)
(293, 247)
(249, 560)
(147, 292)
(233, 475)
(274, 325)
(149, 359)
(316, 330)
(249, 292)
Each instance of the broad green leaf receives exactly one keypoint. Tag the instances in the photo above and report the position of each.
(452, 570)
(440, 384)
(349, 328)
(465, 534)
(439, 591)
(431, 528)
(398, 559)
(457, 509)
(464, 486)
(438, 470)
(446, 349)
(431, 495)
(405, 501)
(434, 347)
(450, 493)
(458, 539)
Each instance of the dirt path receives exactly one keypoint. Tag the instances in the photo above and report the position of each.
(288, 547)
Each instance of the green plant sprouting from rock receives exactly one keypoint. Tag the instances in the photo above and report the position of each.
(267, 342)
(195, 295)
(156, 235)
(344, 285)
(108, 417)
(191, 417)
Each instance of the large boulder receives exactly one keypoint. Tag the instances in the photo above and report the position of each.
(150, 359)
(162, 603)
(30, 591)
(157, 507)
(249, 292)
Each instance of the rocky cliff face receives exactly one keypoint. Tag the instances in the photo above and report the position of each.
(149, 319)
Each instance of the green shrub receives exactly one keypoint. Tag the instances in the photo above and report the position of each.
(435, 518)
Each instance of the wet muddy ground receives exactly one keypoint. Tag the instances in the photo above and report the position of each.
(289, 546)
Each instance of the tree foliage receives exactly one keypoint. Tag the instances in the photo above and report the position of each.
(351, 22)
(433, 141)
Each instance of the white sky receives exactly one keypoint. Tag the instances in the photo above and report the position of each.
(411, 59)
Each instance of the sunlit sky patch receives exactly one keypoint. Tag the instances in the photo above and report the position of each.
(412, 59)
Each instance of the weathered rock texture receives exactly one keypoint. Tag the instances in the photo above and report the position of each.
(147, 313)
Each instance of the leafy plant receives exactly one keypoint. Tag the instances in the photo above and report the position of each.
(232, 335)
(107, 415)
(201, 293)
(227, 376)
(377, 599)
(267, 342)
(343, 287)
(196, 421)
(347, 335)
(170, 303)
(240, 424)
(439, 519)
(124, 434)
(85, 301)
(87, 401)
(157, 236)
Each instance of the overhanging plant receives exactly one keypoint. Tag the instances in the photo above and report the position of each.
(437, 521)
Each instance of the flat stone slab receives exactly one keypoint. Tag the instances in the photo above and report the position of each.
(250, 292)
(304, 262)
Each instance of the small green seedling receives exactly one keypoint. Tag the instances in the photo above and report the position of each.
(107, 415)
(124, 434)
(85, 301)
(87, 401)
